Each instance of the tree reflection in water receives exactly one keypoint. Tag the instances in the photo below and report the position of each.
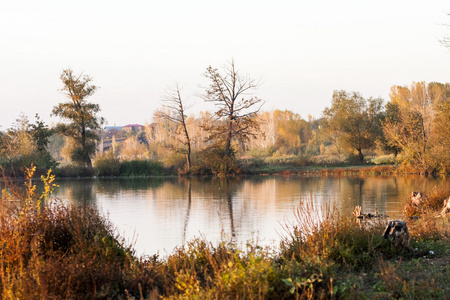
(168, 212)
(188, 212)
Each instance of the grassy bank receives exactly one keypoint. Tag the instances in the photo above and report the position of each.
(291, 166)
(52, 250)
(145, 168)
(212, 163)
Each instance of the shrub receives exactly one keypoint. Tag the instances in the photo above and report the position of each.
(74, 171)
(213, 160)
(253, 163)
(107, 165)
(383, 160)
(260, 152)
(141, 168)
(200, 270)
(175, 161)
(41, 160)
(303, 160)
(335, 238)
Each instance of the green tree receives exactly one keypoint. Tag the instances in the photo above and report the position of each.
(41, 134)
(231, 93)
(82, 122)
(354, 120)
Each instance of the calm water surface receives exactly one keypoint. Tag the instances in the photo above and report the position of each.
(160, 214)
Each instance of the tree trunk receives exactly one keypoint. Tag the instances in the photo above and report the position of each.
(360, 155)
(188, 143)
(229, 136)
(88, 162)
(188, 158)
(87, 159)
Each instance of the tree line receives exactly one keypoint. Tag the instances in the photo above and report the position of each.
(411, 127)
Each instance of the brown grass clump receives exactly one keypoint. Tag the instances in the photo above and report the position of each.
(334, 239)
(50, 250)
(428, 227)
(200, 270)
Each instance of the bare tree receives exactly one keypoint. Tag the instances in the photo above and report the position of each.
(174, 111)
(230, 92)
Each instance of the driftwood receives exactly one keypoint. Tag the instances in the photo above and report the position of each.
(417, 198)
(446, 209)
(398, 234)
(417, 201)
(357, 213)
(414, 207)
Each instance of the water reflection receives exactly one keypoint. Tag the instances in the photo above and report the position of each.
(165, 213)
(186, 220)
(83, 191)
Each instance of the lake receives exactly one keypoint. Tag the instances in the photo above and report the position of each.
(158, 214)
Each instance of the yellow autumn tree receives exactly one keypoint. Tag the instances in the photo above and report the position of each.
(416, 124)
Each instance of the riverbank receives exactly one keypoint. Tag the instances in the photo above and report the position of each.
(105, 167)
(65, 251)
(343, 170)
(147, 169)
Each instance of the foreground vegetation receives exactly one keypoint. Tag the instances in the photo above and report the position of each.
(54, 250)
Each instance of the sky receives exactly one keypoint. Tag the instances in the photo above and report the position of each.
(300, 51)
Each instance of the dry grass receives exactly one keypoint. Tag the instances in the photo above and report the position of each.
(431, 204)
(333, 237)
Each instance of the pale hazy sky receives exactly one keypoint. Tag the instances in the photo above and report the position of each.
(300, 50)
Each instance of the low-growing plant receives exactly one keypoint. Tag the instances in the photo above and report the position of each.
(303, 160)
(175, 161)
(107, 165)
(15, 166)
(383, 160)
(140, 168)
(74, 171)
(200, 270)
(250, 164)
(337, 239)
(260, 152)
(213, 160)
(427, 228)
